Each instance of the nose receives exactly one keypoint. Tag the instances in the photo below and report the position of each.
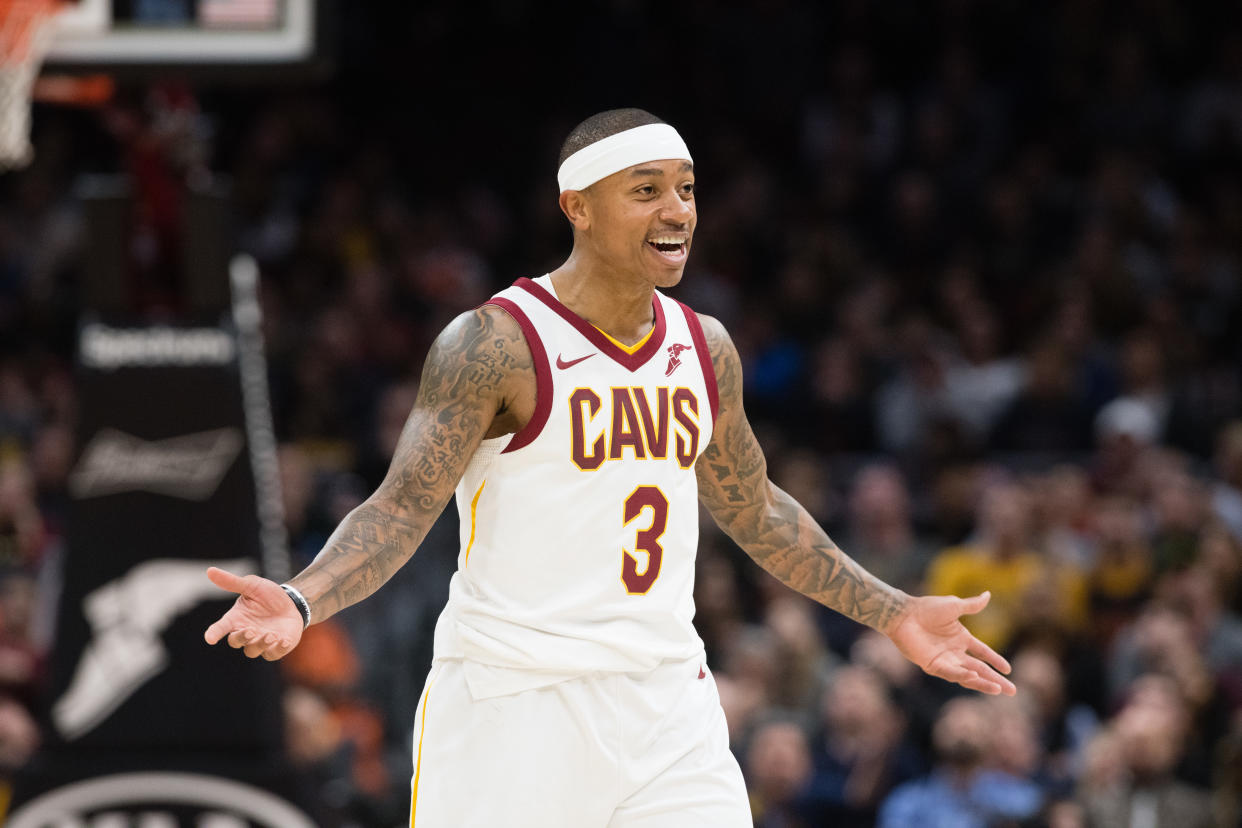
(675, 209)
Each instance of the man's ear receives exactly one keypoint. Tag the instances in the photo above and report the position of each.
(576, 207)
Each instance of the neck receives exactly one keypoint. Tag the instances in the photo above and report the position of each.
(613, 301)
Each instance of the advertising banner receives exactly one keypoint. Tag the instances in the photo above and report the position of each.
(176, 471)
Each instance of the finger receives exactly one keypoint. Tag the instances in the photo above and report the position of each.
(968, 679)
(1006, 686)
(226, 580)
(218, 630)
(981, 684)
(278, 651)
(985, 673)
(987, 655)
(258, 643)
(240, 638)
(969, 606)
(972, 679)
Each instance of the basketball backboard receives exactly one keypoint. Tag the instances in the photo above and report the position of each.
(184, 33)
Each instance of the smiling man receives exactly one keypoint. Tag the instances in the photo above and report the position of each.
(581, 417)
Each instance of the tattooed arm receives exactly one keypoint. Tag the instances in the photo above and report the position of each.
(478, 382)
(786, 541)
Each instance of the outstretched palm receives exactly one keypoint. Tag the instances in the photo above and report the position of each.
(262, 622)
(931, 634)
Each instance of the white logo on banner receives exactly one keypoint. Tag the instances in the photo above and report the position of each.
(108, 348)
(127, 618)
(230, 801)
(189, 467)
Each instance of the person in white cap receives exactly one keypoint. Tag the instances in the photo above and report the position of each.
(581, 417)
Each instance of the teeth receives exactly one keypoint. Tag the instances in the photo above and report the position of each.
(667, 240)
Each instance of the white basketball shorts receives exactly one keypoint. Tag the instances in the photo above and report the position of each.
(606, 750)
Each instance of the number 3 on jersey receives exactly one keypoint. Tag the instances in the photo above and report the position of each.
(647, 540)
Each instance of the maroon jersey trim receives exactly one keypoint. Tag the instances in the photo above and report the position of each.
(543, 376)
(631, 362)
(705, 359)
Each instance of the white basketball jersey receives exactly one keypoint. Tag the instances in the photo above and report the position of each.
(579, 533)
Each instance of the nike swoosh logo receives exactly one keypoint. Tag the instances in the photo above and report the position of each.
(562, 364)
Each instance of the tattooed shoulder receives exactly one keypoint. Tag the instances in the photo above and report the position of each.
(725, 360)
(476, 379)
(475, 356)
(480, 361)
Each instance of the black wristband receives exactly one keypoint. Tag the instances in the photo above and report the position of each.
(299, 601)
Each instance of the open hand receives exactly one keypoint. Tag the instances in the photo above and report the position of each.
(931, 634)
(262, 622)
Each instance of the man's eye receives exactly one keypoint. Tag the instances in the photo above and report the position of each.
(646, 189)
(688, 188)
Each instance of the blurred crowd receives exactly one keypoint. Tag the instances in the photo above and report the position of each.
(983, 263)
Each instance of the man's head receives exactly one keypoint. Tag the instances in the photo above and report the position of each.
(961, 735)
(627, 187)
(880, 497)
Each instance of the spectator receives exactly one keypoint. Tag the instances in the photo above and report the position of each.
(862, 752)
(1227, 492)
(840, 418)
(1220, 556)
(1125, 433)
(803, 664)
(917, 397)
(881, 534)
(965, 787)
(1048, 415)
(717, 602)
(1123, 574)
(24, 536)
(19, 737)
(982, 382)
(778, 768)
(1063, 728)
(1151, 738)
(1178, 508)
(1063, 505)
(1026, 588)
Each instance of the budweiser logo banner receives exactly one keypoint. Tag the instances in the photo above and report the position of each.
(189, 467)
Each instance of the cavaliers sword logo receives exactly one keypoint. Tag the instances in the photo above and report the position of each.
(674, 357)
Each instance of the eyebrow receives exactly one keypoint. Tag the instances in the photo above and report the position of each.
(686, 167)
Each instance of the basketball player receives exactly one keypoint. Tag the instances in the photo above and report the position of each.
(581, 417)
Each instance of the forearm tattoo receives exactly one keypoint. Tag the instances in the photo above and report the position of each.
(767, 523)
(461, 391)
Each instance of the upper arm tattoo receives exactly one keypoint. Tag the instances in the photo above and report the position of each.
(765, 521)
(732, 469)
(466, 380)
(461, 391)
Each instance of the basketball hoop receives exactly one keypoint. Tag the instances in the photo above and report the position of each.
(24, 39)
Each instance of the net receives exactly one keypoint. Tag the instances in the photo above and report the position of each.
(24, 39)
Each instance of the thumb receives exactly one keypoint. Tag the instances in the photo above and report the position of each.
(970, 606)
(226, 580)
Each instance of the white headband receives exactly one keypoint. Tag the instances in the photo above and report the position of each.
(651, 142)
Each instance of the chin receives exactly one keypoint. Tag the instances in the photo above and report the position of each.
(669, 279)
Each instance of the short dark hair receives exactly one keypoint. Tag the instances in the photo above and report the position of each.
(599, 127)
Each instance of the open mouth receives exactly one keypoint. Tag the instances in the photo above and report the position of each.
(670, 246)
